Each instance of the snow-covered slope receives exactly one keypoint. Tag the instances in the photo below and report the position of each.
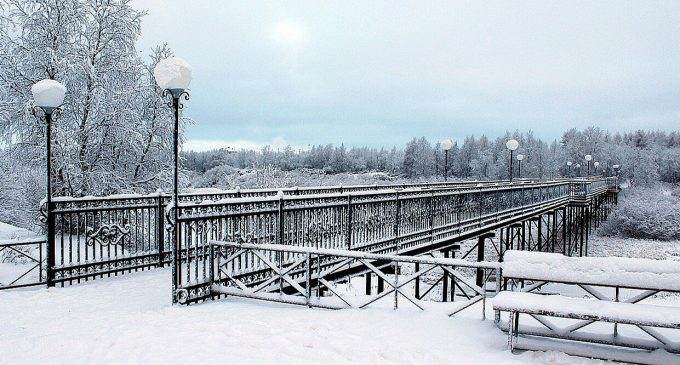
(8, 232)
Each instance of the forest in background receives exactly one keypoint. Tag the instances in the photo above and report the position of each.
(645, 157)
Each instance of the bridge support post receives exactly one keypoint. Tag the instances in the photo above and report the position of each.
(481, 242)
(369, 276)
(539, 232)
(453, 279)
(480, 257)
(553, 235)
(417, 290)
(565, 230)
(581, 229)
(445, 281)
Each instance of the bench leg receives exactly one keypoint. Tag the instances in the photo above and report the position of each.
(511, 330)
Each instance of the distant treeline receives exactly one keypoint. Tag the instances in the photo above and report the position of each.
(644, 157)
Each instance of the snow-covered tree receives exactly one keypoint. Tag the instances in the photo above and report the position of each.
(114, 133)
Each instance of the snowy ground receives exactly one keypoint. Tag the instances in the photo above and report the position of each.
(128, 319)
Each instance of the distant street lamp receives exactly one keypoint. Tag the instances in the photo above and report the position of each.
(48, 96)
(173, 76)
(596, 164)
(520, 157)
(578, 169)
(447, 144)
(588, 159)
(616, 170)
(569, 168)
(512, 145)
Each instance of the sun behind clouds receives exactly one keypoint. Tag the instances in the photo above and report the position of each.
(289, 33)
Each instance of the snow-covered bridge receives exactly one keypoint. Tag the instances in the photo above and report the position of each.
(95, 237)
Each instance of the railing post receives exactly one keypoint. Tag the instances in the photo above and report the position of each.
(212, 264)
(397, 221)
(349, 222)
(396, 284)
(308, 279)
(51, 230)
(431, 217)
(160, 229)
(279, 239)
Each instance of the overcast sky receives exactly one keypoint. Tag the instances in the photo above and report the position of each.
(379, 73)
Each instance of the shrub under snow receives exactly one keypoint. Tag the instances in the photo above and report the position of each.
(648, 213)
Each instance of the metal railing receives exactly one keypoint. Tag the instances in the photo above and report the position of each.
(94, 237)
(385, 222)
(22, 263)
(302, 275)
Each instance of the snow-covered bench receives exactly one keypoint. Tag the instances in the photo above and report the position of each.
(628, 280)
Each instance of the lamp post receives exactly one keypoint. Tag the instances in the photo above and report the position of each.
(173, 76)
(578, 169)
(596, 164)
(588, 159)
(520, 157)
(569, 168)
(48, 96)
(512, 145)
(447, 144)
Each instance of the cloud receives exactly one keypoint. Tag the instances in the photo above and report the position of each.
(381, 73)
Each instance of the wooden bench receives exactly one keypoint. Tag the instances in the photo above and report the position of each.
(529, 272)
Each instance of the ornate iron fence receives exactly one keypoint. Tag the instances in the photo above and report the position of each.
(95, 237)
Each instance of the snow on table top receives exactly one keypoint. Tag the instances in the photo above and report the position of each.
(610, 271)
(561, 306)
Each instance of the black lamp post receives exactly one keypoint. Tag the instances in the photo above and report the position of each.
(520, 157)
(588, 159)
(569, 168)
(596, 164)
(447, 144)
(512, 145)
(173, 76)
(48, 96)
